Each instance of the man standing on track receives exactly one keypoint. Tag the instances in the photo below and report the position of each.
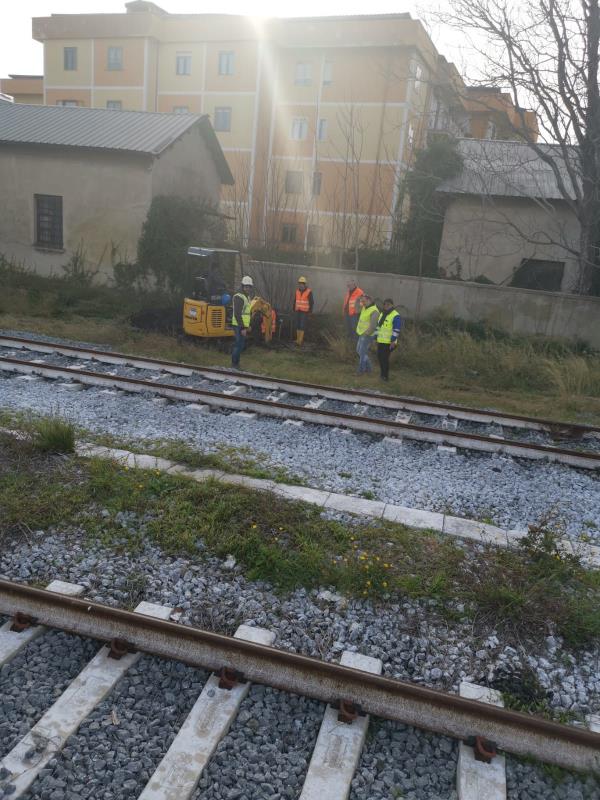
(303, 306)
(240, 320)
(388, 331)
(365, 329)
(352, 308)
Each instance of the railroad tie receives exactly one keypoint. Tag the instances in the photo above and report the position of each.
(339, 743)
(476, 779)
(177, 775)
(49, 735)
(15, 634)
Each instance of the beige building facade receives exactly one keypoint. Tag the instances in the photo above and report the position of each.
(319, 117)
(88, 194)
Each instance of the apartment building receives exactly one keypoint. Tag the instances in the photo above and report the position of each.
(318, 117)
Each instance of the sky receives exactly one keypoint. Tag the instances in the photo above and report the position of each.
(20, 54)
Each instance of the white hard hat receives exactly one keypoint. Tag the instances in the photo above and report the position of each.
(247, 281)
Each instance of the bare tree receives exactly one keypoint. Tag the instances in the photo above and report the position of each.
(547, 52)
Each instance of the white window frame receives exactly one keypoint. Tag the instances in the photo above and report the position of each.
(299, 130)
(183, 64)
(114, 105)
(322, 127)
(226, 64)
(222, 112)
(303, 73)
(113, 64)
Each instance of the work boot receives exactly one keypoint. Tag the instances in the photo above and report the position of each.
(299, 337)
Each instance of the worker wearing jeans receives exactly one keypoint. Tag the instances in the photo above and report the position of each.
(240, 320)
(365, 330)
(388, 331)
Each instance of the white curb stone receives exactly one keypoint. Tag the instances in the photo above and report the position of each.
(177, 775)
(338, 747)
(49, 735)
(476, 780)
(12, 642)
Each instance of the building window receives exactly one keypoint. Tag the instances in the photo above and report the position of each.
(303, 73)
(70, 58)
(533, 273)
(411, 136)
(222, 119)
(418, 75)
(114, 105)
(316, 183)
(114, 58)
(181, 110)
(328, 73)
(226, 62)
(322, 130)
(288, 233)
(293, 182)
(48, 221)
(183, 64)
(299, 128)
(67, 102)
(314, 236)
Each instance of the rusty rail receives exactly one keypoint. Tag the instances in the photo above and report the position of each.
(522, 734)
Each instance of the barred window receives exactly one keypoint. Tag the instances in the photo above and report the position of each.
(48, 220)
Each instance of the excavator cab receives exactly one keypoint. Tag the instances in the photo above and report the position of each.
(211, 277)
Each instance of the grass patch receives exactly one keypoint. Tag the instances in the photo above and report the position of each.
(53, 435)
(291, 544)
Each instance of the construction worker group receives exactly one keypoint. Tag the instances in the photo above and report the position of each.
(366, 322)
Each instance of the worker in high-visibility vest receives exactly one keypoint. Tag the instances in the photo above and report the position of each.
(388, 331)
(241, 319)
(303, 306)
(351, 307)
(366, 328)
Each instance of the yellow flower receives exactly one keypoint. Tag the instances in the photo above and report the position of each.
(254, 526)
(368, 583)
(384, 584)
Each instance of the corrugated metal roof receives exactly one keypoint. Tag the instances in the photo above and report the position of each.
(98, 128)
(501, 168)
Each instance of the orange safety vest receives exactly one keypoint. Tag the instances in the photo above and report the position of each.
(263, 324)
(351, 300)
(302, 303)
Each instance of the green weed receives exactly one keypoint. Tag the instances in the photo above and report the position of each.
(53, 435)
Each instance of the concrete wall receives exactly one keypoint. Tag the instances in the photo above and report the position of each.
(105, 200)
(492, 236)
(187, 169)
(518, 311)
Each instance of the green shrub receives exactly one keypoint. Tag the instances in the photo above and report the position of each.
(54, 435)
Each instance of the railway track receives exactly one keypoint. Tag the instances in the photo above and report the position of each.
(352, 690)
(386, 415)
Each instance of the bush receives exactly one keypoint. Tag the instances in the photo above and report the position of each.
(173, 224)
(54, 435)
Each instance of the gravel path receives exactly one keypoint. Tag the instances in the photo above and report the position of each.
(33, 679)
(118, 747)
(509, 492)
(267, 750)
(533, 782)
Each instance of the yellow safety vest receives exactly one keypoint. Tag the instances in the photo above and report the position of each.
(245, 311)
(385, 329)
(365, 319)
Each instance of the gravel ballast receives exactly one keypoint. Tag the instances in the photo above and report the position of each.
(509, 492)
(35, 678)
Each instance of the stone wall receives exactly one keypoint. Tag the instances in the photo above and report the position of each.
(518, 311)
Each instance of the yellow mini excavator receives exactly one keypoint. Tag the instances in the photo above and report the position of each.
(207, 311)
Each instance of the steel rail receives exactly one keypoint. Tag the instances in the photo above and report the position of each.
(399, 403)
(441, 712)
(422, 433)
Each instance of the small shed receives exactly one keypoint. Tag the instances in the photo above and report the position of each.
(81, 180)
(506, 221)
